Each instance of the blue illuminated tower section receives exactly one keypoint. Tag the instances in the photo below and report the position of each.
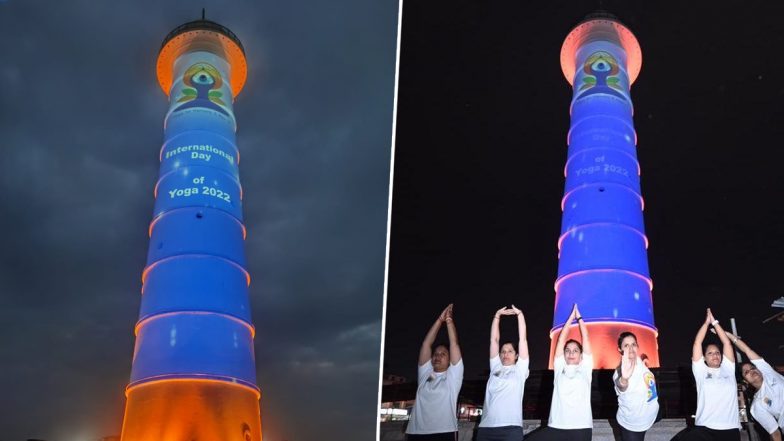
(603, 263)
(193, 375)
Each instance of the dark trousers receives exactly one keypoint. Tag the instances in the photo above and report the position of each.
(504, 433)
(700, 433)
(446, 436)
(628, 435)
(553, 434)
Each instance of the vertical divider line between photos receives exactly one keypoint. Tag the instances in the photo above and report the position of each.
(389, 219)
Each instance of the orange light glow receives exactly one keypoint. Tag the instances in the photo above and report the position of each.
(161, 215)
(191, 409)
(150, 318)
(210, 41)
(607, 30)
(150, 267)
(604, 342)
(601, 184)
(158, 182)
(152, 224)
(574, 230)
(577, 273)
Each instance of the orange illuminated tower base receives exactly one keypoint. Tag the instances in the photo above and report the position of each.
(191, 410)
(604, 342)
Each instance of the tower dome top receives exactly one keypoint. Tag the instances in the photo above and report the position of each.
(601, 25)
(203, 35)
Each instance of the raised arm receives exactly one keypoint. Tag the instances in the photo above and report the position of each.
(742, 346)
(426, 351)
(495, 333)
(696, 348)
(559, 345)
(625, 371)
(726, 349)
(522, 343)
(583, 332)
(454, 348)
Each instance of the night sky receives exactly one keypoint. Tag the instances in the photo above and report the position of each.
(81, 117)
(481, 146)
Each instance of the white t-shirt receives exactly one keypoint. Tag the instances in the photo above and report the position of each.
(768, 404)
(638, 405)
(504, 394)
(717, 395)
(436, 400)
(571, 405)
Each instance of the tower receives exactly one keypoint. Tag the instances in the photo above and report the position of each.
(193, 374)
(603, 262)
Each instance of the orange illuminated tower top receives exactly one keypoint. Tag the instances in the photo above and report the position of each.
(203, 35)
(601, 26)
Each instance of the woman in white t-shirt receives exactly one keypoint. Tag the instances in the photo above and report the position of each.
(439, 378)
(717, 391)
(502, 417)
(635, 385)
(570, 409)
(767, 406)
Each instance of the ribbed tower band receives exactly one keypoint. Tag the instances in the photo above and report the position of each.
(193, 376)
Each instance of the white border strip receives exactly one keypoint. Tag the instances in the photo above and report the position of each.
(389, 222)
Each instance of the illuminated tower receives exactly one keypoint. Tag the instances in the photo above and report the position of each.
(603, 263)
(193, 375)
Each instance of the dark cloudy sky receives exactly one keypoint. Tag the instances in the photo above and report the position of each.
(81, 119)
(481, 146)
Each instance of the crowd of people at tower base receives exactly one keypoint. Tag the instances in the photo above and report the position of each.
(440, 377)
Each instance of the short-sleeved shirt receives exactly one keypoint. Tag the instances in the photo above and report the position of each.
(717, 395)
(504, 394)
(436, 400)
(768, 404)
(638, 405)
(571, 405)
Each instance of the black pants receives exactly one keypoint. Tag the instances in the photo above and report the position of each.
(505, 433)
(628, 435)
(700, 433)
(446, 436)
(553, 434)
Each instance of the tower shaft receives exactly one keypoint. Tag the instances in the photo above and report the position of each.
(603, 263)
(193, 374)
